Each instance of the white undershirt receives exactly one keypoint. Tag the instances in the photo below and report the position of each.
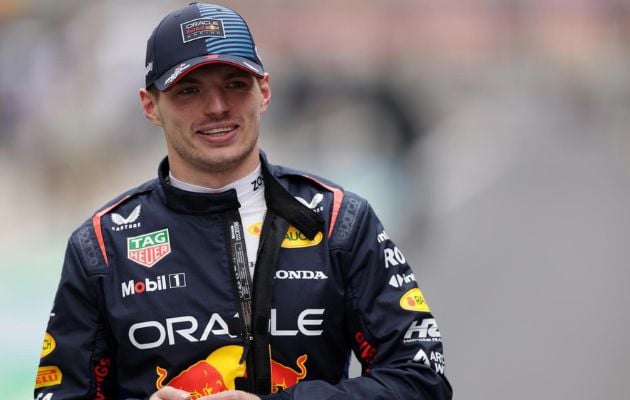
(251, 194)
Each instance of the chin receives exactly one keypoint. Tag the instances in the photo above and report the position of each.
(223, 163)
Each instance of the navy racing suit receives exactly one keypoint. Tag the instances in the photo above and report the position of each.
(150, 296)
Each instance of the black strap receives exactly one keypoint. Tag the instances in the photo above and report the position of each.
(273, 233)
(255, 307)
(285, 205)
(240, 272)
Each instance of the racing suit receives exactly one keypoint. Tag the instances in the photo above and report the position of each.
(149, 296)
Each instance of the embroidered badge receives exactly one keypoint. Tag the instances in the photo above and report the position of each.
(149, 248)
(202, 28)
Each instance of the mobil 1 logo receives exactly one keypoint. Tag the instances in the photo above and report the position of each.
(162, 282)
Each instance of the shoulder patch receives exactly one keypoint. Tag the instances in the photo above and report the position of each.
(337, 201)
(88, 249)
(98, 216)
(96, 224)
(344, 224)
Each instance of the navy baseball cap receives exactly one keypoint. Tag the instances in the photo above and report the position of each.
(196, 35)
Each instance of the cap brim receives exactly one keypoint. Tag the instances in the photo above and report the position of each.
(173, 75)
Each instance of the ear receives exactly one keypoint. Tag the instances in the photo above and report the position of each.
(265, 90)
(148, 102)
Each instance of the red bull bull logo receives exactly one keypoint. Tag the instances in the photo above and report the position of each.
(218, 371)
(213, 375)
(283, 377)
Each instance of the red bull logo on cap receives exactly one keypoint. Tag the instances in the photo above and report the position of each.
(213, 375)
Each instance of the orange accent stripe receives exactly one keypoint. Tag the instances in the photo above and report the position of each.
(96, 223)
(337, 198)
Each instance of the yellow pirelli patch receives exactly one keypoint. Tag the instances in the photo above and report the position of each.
(48, 376)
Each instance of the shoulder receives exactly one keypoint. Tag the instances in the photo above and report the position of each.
(295, 179)
(345, 209)
(87, 239)
(119, 201)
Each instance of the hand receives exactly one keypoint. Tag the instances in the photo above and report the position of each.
(231, 395)
(170, 393)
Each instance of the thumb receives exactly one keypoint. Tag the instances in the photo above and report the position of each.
(170, 393)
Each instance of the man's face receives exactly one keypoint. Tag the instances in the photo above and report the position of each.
(211, 121)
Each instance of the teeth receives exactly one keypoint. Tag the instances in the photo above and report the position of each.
(217, 131)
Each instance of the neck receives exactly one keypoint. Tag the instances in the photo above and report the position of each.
(213, 178)
(245, 191)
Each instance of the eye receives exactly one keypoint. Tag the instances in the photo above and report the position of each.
(187, 90)
(237, 84)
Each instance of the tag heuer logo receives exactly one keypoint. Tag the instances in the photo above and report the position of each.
(150, 248)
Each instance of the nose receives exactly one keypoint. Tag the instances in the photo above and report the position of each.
(215, 103)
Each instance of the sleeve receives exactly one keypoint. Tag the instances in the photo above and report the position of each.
(75, 361)
(391, 328)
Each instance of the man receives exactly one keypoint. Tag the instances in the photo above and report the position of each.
(228, 277)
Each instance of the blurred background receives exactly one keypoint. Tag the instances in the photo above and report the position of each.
(492, 138)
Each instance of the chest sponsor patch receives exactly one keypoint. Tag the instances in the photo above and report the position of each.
(149, 248)
(293, 239)
(131, 221)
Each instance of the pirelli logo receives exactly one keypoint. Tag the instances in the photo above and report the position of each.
(48, 376)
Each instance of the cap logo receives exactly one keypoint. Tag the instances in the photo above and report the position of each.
(178, 71)
(202, 28)
(251, 66)
(149, 68)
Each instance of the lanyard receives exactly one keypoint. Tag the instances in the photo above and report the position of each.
(240, 269)
(254, 313)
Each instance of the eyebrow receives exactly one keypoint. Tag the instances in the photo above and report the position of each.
(233, 74)
(238, 74)
(187, 80)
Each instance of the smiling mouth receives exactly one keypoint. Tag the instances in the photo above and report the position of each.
(217, 131)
